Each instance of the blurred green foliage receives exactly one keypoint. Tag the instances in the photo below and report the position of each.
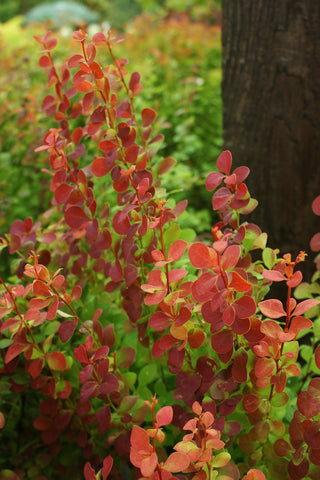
(11, 8)
(206, 10)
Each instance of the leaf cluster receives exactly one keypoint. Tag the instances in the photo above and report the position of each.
(114, 308)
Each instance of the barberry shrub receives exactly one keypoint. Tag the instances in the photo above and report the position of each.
(129, 348)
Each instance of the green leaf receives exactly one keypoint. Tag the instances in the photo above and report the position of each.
(269, 257)
(148, 374)
(316, 328)
(52, 327)
(130, 378)
(5, 342)
(188, 234)
(280, 399)
(249, 239)
(171, 234)
(313, 367)
(221, 460)
(306, 352)
(160, 389)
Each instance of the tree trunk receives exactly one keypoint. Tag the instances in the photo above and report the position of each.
(271, 112)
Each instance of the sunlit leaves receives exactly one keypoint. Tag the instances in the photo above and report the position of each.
(164, 416)
(214, 355)
(56, 361)
(272, 308)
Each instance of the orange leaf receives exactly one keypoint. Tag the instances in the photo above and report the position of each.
(84, 86)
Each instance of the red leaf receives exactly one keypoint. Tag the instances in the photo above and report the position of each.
(241, 174)
(106, 467)
(274, 275)
(155, 288)
(239, 367)
(62, 193)
(159, 321)
(2, 420)
(224, 162)
(295, 279)
(251, 403)
(304, 306)
(254, 474)
(162, 345)
(299, 323)
(56, 361)
(14, 350)
(272, 308)
(220, 198)
(230, 257)
(75, 217)
(103, 416)
(100, 353)
(84, 86)
(315, 242)
(245, 307)
(140, 446)
(120, 224)
(222, 342)
(228, 315)
(166, 165)
(42, 423)
(135, 86)
(316, 205)
(271, 329)
(80, 354)
(177, 249)
(88, 471)
(177, 462)
(196, 339)
(148, 465)
(48, 102)
(99, 37)
(106, 146)
(44, 61)
(110, 384)
(34, 367)
(241, 192)
(76, 292)
(202, 257)
(317, 356)
(213, 180)
(264, 367)
(76, 135)
(40, 289)
(96, 70)
(66, 330)
(75, 60)
(280, 380)
(148, 116)
(100, 167)
(164, 416)
(177, 275)
(239, 283)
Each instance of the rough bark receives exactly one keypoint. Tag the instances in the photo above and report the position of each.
(271, 112)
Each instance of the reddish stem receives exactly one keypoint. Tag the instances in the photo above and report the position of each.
(12, 298)
(163, 251)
